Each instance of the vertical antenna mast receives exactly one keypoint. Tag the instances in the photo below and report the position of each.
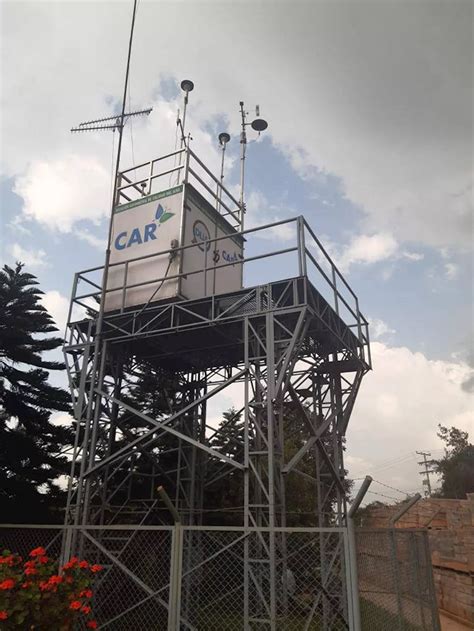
(113, 123)
(117, 167)
(259, 125)
(243, 149)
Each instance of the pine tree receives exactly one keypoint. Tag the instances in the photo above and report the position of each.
(30, 444)
(227, 491)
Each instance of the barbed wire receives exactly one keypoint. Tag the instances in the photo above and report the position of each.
(389, 497)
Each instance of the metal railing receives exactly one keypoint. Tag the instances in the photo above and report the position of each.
(182, 166)
(303, 256)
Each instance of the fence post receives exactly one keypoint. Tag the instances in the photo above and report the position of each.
(431, 584)
(66, 546)
(404, 509)
(176, 564)
(396, 577)
(393, 544)
(354, 599)
(174, 601)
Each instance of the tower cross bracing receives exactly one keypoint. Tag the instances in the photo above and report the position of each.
(292, 352)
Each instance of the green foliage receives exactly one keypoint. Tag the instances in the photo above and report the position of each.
(30, 445)
(226, 492)
(457, 466)
(35, 595)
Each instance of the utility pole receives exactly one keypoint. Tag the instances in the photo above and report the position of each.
(427, 471)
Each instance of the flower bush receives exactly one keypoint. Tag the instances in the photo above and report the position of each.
(37, 594)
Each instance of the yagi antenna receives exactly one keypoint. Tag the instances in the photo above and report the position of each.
(258, 125)
(101, 123)
(118, 124)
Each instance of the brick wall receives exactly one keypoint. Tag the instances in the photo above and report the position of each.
(451, 532)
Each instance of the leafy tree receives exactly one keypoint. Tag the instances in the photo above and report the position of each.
(457, 466)
(30, 444)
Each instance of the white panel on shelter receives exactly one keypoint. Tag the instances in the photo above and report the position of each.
(143, 228)
(202, 223)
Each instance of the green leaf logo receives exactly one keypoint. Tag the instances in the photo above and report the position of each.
(165, 216)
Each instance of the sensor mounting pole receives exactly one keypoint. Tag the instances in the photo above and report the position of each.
(223, 140)
(243, 149)
(258, 125)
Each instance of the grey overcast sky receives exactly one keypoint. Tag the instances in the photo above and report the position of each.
(371, 137)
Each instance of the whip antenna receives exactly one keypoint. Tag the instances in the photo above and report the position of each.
(114, 123)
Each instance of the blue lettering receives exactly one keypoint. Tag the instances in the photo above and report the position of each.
(135, 237)
(150, 232)
(118, 245)
(229, 258)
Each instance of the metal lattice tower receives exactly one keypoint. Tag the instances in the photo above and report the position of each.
(294, 350)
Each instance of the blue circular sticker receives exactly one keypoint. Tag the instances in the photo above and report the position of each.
(201, 235)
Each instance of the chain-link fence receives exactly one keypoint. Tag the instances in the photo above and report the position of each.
(229, 579)
(395, 580)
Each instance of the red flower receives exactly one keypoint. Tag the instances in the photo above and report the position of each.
(30, 571)
(87, 593)
(4, 616)
(8, 583)
(83, 564)
(86, 609)
(8, 560)
(55, 579)
(92, 624)
(44, 586)
(26, 585)
(76, 604)
(96, 568)
(38, 552)
(43, 559)
(30, 564)
(71, 563)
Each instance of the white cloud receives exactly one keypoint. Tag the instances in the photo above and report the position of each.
(451, 270)
(61, 192)
(31, 258)
(57, 306)
(91, 239)
(398, 410)
(413, 256)
(379, 329)
(388, 111)
(365, 249)
(261, 212)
